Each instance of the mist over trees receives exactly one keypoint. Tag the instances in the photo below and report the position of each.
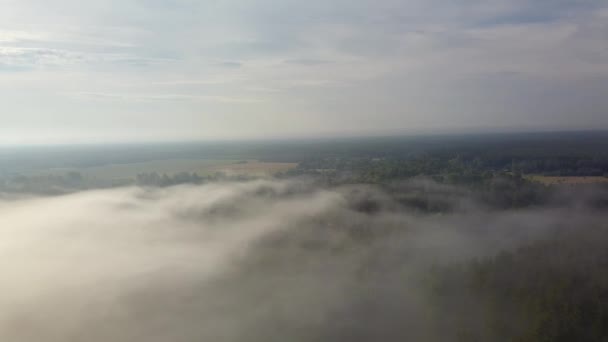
(290, 260)
(303, 171)
(426, 239)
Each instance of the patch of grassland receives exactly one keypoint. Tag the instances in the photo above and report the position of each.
(553, 180)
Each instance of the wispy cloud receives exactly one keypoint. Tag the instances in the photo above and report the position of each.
(165, 97)
(326, 63)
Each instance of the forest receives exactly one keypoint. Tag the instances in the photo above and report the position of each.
(427, 239)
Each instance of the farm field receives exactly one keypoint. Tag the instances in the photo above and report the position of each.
(553, 180)
(252, 167)
(202, 167)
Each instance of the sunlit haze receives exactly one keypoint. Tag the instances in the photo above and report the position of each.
(158, 70)
(303, 171)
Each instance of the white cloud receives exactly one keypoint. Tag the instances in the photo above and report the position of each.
(166, 97)
(229, 261)
(398, 62)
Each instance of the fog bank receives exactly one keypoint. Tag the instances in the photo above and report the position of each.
(253, 261)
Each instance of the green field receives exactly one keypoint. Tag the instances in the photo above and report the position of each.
(552, 180)
(202, 167)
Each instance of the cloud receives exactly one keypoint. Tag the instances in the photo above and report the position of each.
(123, 239)
(229, 64)
(246, 261)
(9, 36)
(29, 58)
(167, 97)
(377, 66)
(304, 61)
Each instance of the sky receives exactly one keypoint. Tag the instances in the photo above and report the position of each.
(166, 70)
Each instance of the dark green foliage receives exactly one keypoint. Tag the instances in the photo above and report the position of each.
(552, 290)
(500, 189)
(154, 179)
(48, 184)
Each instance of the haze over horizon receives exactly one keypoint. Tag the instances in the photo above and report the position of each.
(133, 70)
(283, 170)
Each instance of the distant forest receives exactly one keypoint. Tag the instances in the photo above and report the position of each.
(490, 163)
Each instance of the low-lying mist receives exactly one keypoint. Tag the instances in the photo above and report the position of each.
(251, 261)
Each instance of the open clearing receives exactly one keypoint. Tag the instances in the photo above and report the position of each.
(552, 180)
(253, 167)
(203, 167)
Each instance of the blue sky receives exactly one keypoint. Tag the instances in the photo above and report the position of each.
(137, 70)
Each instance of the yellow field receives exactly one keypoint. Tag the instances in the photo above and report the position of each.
(551, 180)
(170, 167)
(253, 167)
